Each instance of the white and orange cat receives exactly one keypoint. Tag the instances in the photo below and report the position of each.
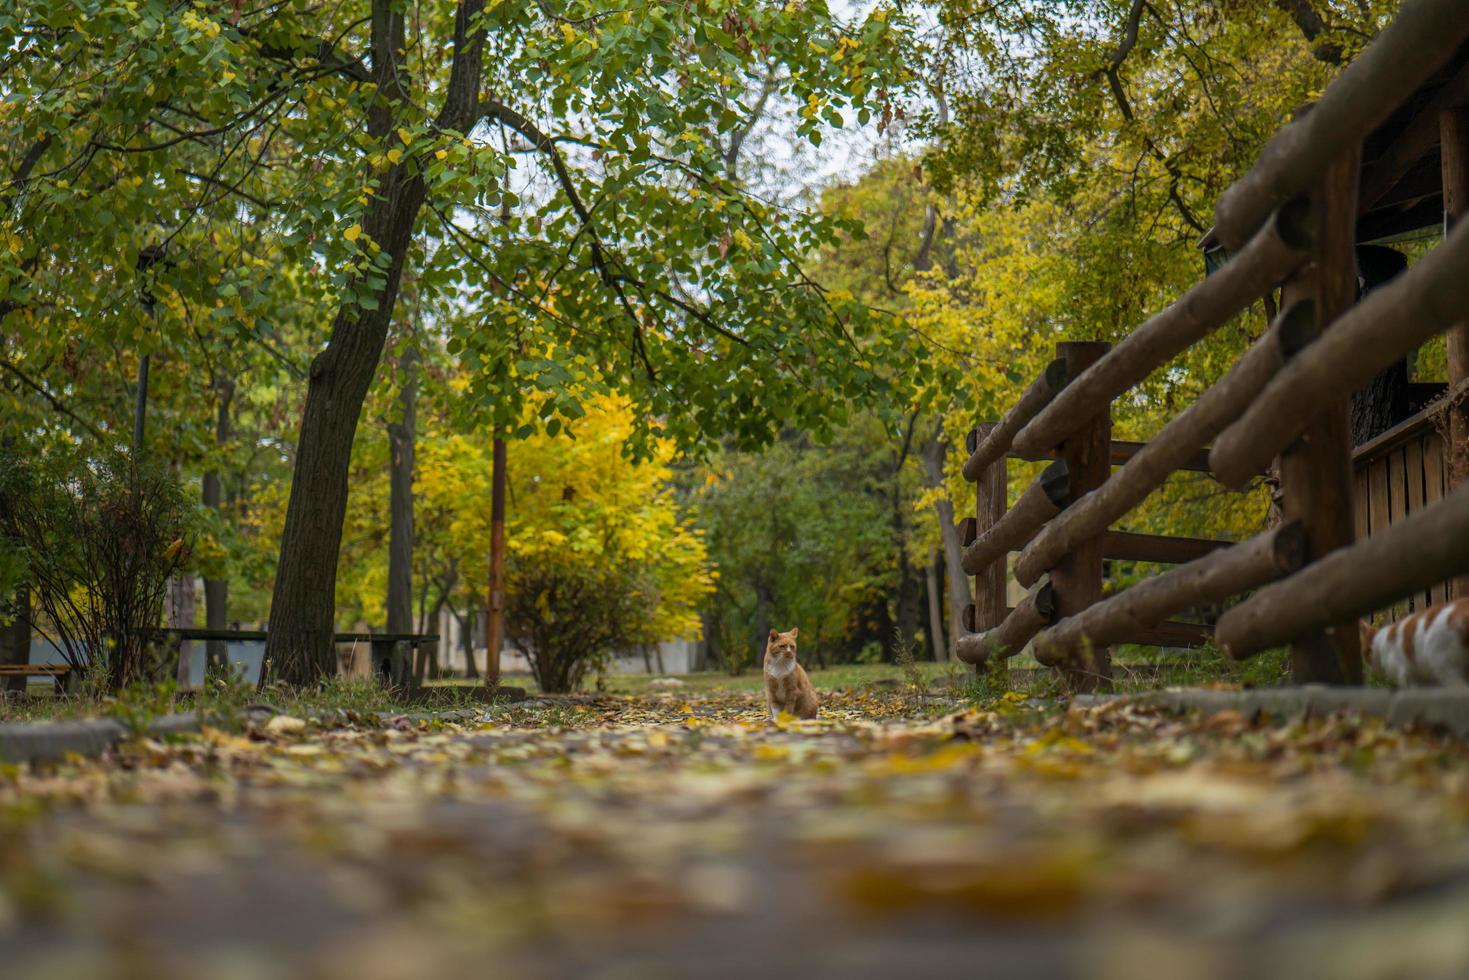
(787, 688)
(1428, 648)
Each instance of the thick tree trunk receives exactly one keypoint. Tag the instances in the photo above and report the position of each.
(303, 605)
(400, 502)
(216, 590)
(1383, 403)
(299, 648)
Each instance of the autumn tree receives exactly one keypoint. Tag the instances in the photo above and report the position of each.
(557, 166)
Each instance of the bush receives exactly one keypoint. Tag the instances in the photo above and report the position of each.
(99, 537)
(568, 617)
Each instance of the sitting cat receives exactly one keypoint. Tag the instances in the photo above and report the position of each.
(786, 686)
(1430, 647)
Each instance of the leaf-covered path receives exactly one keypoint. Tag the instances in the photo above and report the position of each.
(672, 835)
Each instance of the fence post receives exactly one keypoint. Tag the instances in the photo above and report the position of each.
(990, 503)
(1316, 471)
(1454, 160)
(1077, 577)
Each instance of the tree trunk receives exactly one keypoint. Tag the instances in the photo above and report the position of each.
(216, 590)
(466, 643)
(303, 605)
(431, 655)
(179, 614)
(140, 407)
(15, 637)
(495, 608)
(932, 571)
(932, 455)
(400, 502)
(1384, 402)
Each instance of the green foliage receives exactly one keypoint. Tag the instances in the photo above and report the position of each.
(100, 538)
(800, 536)
(142, 702)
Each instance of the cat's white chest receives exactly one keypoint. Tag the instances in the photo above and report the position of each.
(780, 669)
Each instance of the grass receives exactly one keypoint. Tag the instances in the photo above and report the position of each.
(1134, 669)
(839, 676)
(224, 703)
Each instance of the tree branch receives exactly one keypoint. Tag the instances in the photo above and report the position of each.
(56, 403)
(1312, 26)
(494, 109)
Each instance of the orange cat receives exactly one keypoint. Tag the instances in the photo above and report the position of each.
(786, 686)
(1428, 648)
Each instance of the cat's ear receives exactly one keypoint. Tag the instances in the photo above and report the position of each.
(794, 631)
(774, 633)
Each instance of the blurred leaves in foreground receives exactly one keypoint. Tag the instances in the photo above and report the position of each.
(662, 834)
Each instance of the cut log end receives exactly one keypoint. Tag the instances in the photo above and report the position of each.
(1291, 546)
(1056, 482)
(1294, 224)
(1056, 375)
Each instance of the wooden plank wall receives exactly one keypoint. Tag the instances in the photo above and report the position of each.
(1391, 485)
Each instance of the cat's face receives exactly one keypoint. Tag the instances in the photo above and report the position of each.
(781, 647)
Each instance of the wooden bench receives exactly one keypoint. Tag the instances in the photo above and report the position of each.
(61, 674)
(396, 659)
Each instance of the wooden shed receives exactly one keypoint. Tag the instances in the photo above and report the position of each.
(1415, 171)
(1414, 181)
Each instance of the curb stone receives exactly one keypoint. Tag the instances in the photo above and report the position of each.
(40, 741)
(1443, 708)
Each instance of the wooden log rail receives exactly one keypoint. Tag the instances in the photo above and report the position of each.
(1163, 549)
(1278, 248)
(1421, 38)
(1042, 501)
(1293, 222)
(1423, 550)
(1033, 614)
(1212, 578)
(1391, 321)
(997, 439)
(1179, 440)
(1122, 452)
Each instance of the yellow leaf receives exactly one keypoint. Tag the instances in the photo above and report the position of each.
(568, 32)
(394, 155)
(353, 233)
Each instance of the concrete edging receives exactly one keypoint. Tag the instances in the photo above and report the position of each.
(38, 741)
(1444, 708)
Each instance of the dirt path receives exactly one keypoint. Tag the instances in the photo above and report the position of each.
(670, 836)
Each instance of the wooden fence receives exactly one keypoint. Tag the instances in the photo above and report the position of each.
(1290, 223)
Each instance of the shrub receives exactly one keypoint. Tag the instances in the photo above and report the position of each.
(568, 617)
(100, 537)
